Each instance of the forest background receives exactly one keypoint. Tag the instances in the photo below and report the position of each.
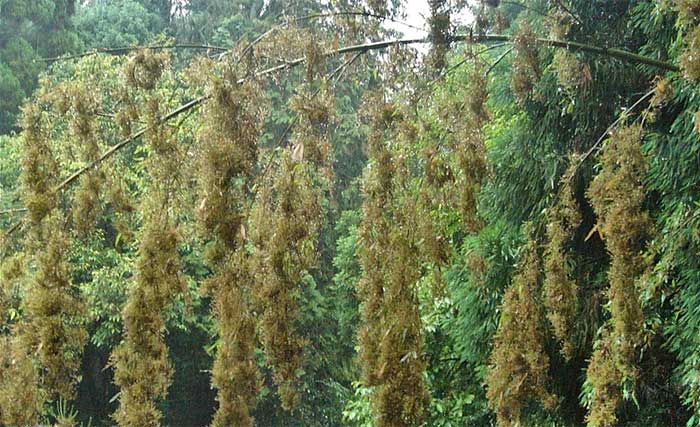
(281, 213)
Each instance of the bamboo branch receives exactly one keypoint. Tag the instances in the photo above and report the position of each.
(462, 62)
(498, 60)
(127, 49)
(362, 48)
(616, 53)
(224, 50)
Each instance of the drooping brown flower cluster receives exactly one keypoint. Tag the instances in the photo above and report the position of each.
(235, 372)
(142, 368)
(401, 395)
(39, 167)
(390, 337)
(455, 166)
(232, 122)
(604, 378)
(440, 27)
(286, 220)
(663, 92)
(559, 287)
(519, 367)
(54, 326)
(374, 234)
(525, 72)
(453, 156)
(470, 148)
(81, 106)
(21, 400)
(310, 141)
(145, 69)
(689, 18)
(617, 195)
(571, 73)
(52, 329)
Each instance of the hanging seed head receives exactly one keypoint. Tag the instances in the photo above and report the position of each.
(617, 195)
(519, 364)
(145, 68)
(440, 30)
(559, 288)
(525, 72)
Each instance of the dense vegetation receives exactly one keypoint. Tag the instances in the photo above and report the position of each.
(280, 213)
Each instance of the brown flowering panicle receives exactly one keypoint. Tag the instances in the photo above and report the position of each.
(21, 398)
(689, 19)
(12, 275)
(525, 72)
(663, 92)
(51, 330)
(690, 58)
(571, 73)
(145, 69)
(440, 29)
(617, 195)
(54, 327)
(604, 378)
(235, 372)
(310, 139)
(83, 127)
(559, 287)
(454, 157)
(518, 371)
(390, 336)
(229, 152)
(121, 204)
(470, 149)
(313, 53)
(285, 224)
(142, 369)
(39, 167)
(232, 122)
(401, 395)
(374, 233)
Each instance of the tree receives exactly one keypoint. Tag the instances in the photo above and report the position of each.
(29, 30)
(116, 24)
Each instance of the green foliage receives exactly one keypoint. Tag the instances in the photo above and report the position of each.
(11, 94)
(104, 24)
(290, 262)
(28, 30)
